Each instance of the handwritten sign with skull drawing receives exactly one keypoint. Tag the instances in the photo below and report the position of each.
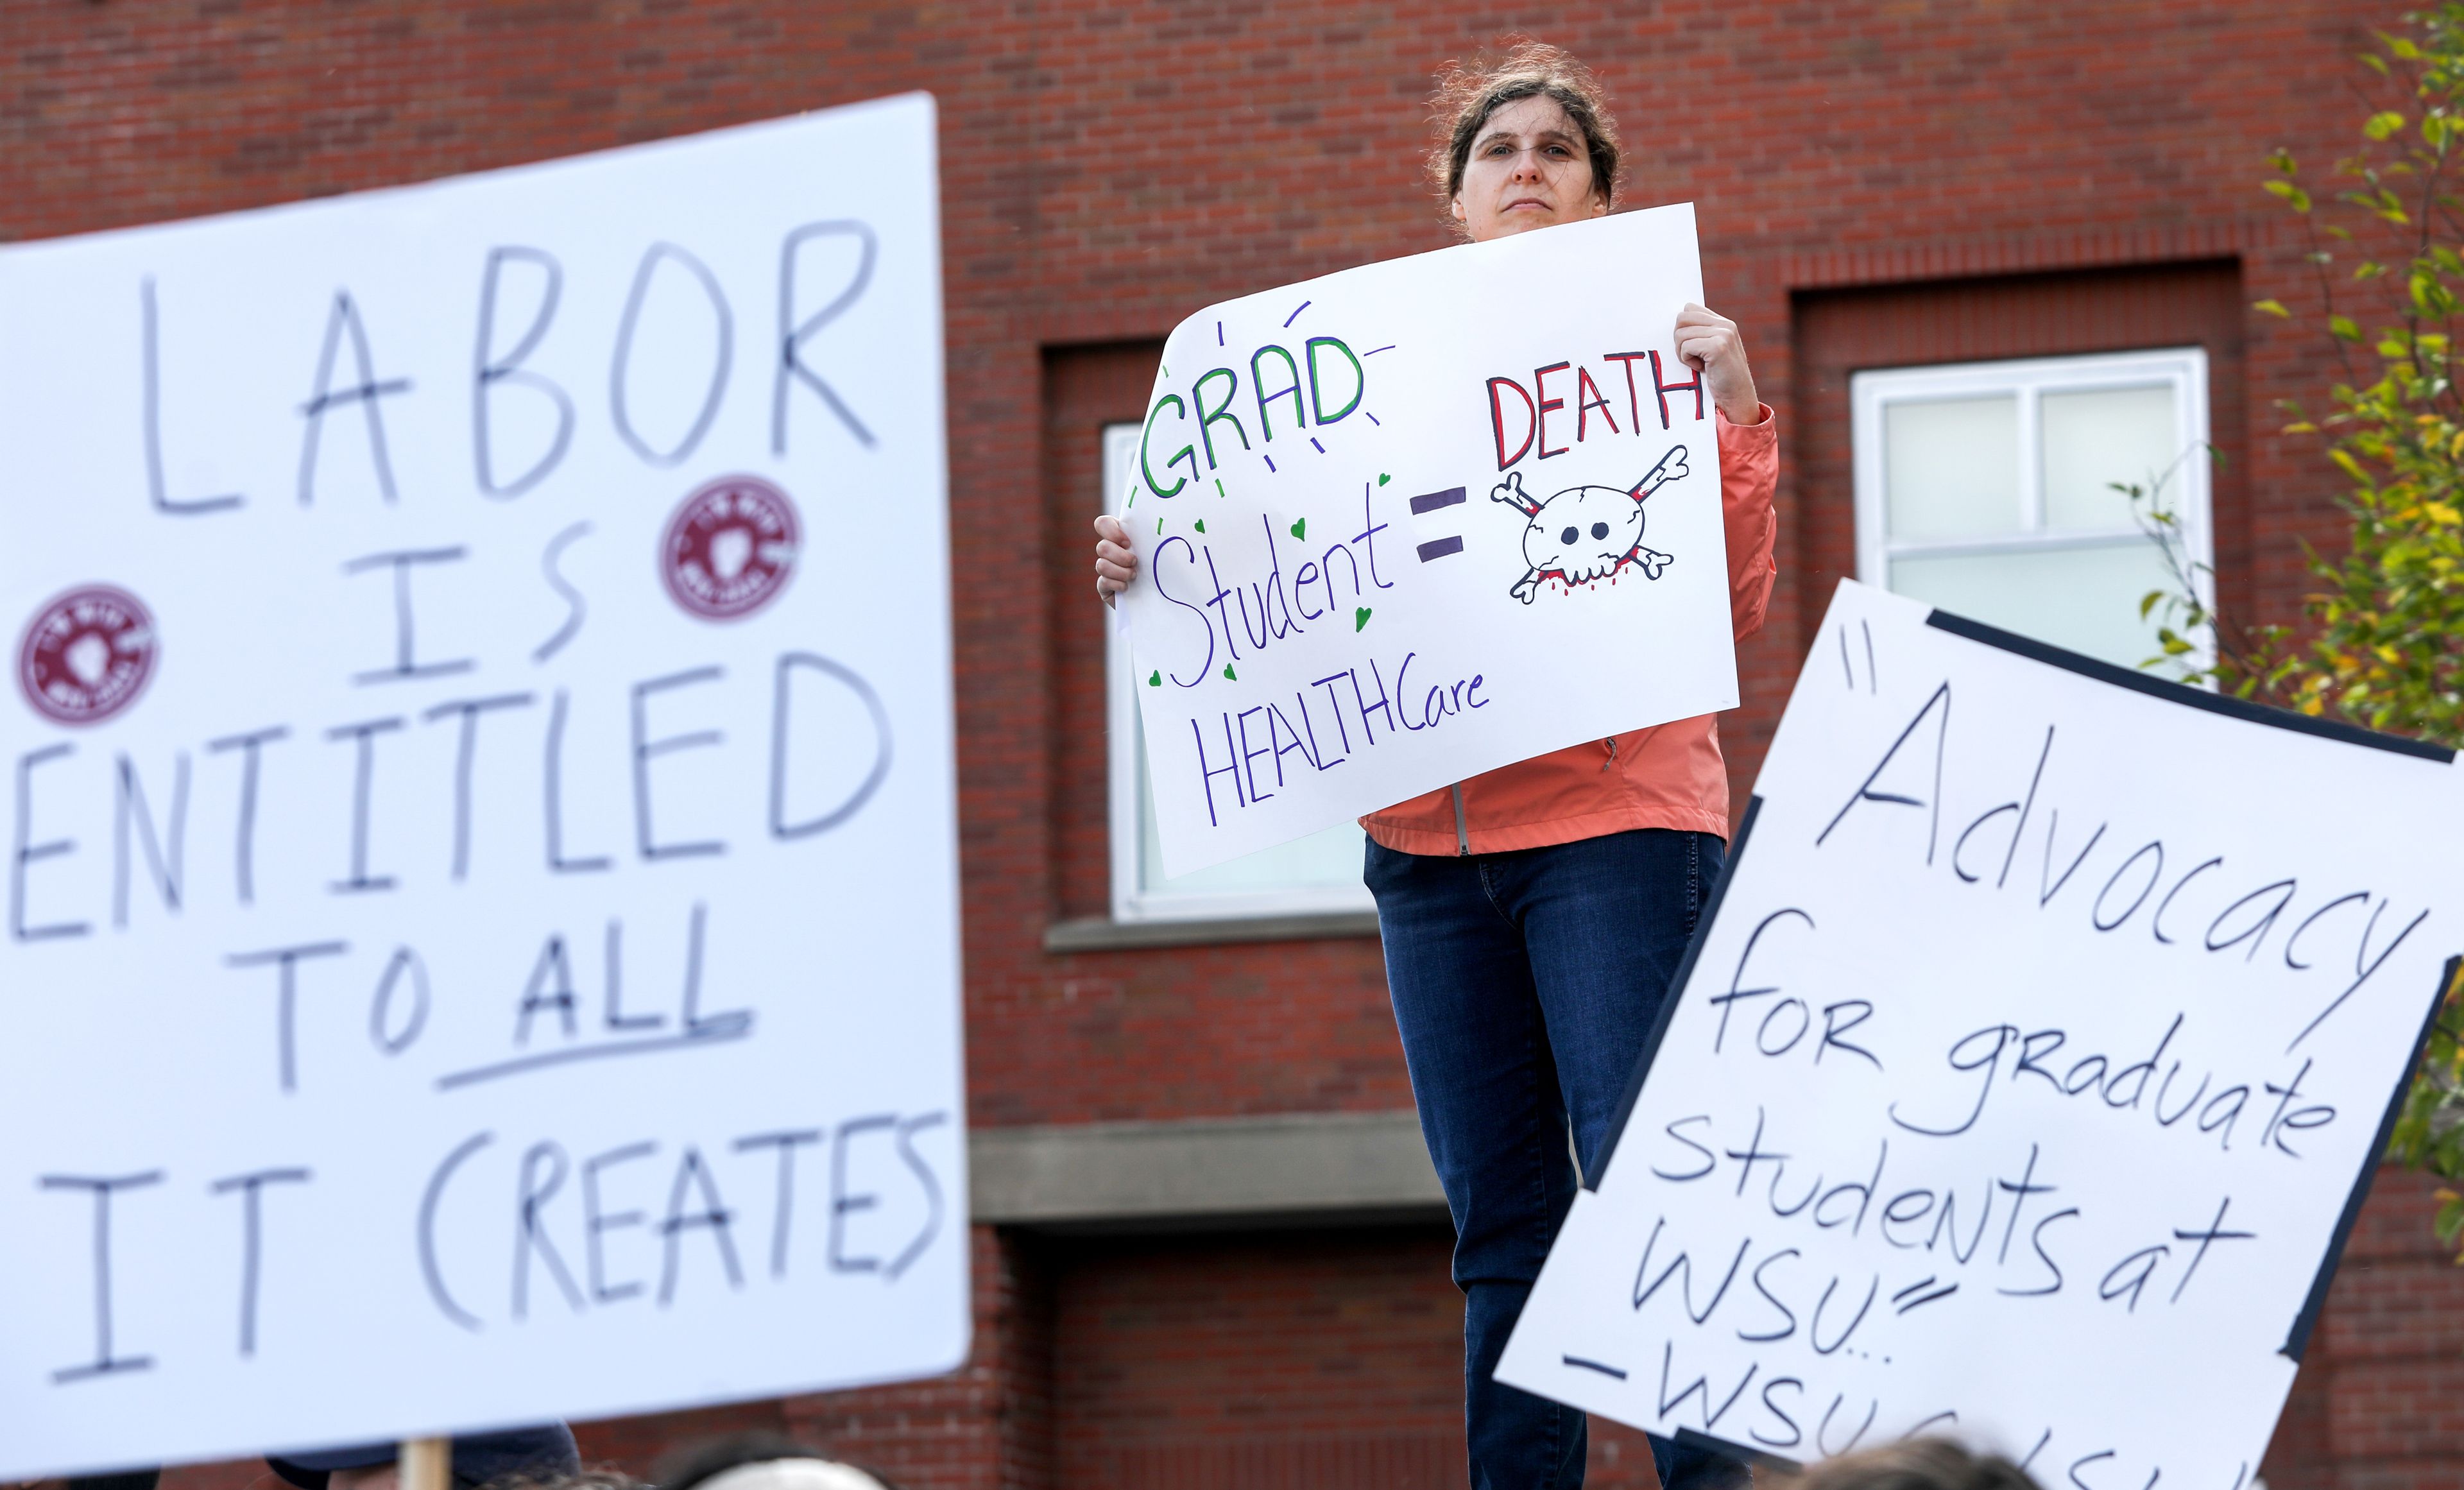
(1420, 519)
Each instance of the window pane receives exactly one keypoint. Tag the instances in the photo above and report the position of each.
(2095, 439)
(1330, 859)
(1950, 466)
(2084, 598)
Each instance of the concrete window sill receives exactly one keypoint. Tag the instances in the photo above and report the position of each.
(1322, 1168)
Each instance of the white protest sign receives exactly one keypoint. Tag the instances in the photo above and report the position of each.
(1420, 519)
(482, 886)
(2027, 1076)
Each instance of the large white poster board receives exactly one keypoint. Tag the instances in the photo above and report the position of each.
(482, 934)
(1414, 521)
(2026, 1077)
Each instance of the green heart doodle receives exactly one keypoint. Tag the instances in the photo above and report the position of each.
(1360, 618)
(1155, 679)
(1384, 478)
(1201, 525)
(1230, 674)
(1300, 529)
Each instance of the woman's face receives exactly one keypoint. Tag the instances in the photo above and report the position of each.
(1529, 167)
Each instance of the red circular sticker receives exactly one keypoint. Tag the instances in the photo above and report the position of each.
(730, 549)
(87, 654)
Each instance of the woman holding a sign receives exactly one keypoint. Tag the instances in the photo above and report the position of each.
(1534, 915)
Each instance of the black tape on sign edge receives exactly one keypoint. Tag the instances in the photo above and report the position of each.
(1676, 988)
(1760, 1458)
(2298, 1340)
(2183, 693)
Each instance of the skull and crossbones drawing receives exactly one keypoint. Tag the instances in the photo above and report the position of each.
(1586, 534)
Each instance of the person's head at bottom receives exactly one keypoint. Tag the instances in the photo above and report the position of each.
(540, 1454)
(1916, 1464)
(764, 1461)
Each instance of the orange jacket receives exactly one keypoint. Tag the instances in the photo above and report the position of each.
(1667, 777)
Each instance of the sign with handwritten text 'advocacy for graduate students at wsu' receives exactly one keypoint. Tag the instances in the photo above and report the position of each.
(482, 932)
(2027, 1076)
(1417, 520)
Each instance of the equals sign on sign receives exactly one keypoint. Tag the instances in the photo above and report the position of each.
(1439, 548)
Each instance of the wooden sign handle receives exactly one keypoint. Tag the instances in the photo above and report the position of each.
(426, 1463)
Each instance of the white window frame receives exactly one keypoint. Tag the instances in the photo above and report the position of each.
(1130, 901)
(2186, 490)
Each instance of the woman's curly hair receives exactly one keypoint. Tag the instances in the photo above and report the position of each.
(1467, 94)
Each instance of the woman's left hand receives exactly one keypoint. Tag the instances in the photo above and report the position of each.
(1711, 345)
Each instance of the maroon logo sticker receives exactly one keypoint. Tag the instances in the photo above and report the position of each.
(87, 656)
(730, 549)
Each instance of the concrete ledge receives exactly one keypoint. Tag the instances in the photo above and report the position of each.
(1306, 1169)
(1102, 934)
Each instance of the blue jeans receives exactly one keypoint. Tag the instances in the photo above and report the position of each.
(1525, 984)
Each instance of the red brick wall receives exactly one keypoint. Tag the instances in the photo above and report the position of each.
(1177, 1361)
(1107, 167)
(2379, 1405)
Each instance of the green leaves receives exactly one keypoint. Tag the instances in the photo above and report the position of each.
(2380, 639)
(2429, 294)
(2430, 1125)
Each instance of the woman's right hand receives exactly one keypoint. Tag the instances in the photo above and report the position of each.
(1116, 563)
